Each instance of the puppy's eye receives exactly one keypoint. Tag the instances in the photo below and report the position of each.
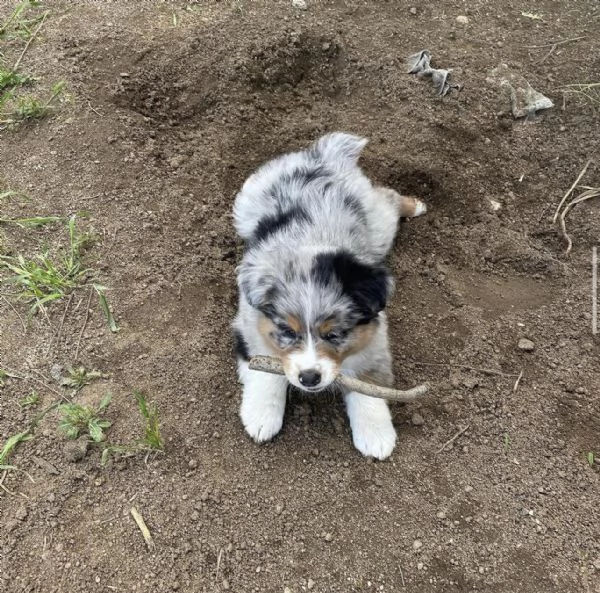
(288, 334)
(333, 337)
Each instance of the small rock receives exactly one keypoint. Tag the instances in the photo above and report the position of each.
(21, 514)
(461, 19)
(300, 4)
(225, 585)
(468, 488)
(287, 590)
(413, 10)
(417, 544)
(193, 463)
(420, 566)
(417, 419)
(56, 373)
(310, 584)
(328, 537)
(526, 345)
(440, 515)
(75, 451)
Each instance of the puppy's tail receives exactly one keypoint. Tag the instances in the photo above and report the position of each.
(340, 149)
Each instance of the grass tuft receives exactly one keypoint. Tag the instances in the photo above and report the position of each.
(152, 429)
(79, 378)
(33, 399)
(77, 419)
(10, 445)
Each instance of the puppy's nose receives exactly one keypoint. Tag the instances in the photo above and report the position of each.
(309, 378)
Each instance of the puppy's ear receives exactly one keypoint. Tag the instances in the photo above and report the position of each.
(367, 286)
(258, 285)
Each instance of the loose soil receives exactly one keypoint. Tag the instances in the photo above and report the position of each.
(169, 116)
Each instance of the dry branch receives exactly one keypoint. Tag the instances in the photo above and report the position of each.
(268, 364)
(139, 520)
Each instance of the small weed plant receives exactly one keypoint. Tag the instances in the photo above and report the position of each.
(77, 420)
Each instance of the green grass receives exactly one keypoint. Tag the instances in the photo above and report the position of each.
(152, 429)
(28, 107)
(79, 378)
(10, 446)
(152, 440)
(77, 419)
(22, 21)
(33, 399)
(10, 79)
(46, 278)
(590, 458)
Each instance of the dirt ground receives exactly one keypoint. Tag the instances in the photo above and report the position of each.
(173, 105)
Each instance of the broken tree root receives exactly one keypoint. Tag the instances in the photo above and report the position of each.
(268, 364)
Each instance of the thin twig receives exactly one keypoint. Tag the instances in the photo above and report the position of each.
(402, 576)
(268, 364)
(586, 195)
(547, 55)
(553, 43)
(516, 385)
(62, 321)
(143, 528)
(85, 322)
(29, 41)
(16, 312)
(565, 197)
(464, 366)
(450, 441)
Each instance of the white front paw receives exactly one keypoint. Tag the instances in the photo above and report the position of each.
(373, 433)
(262, 422)
(263, 405)
(374, 439)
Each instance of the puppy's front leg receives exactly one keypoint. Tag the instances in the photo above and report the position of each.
(373, 433)
(263, 403)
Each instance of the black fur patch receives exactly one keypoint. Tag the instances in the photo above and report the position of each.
(241, 347)
(366, 285)
(269, 225)
(352, 204)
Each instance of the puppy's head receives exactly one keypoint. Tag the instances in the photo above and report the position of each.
(315, 310)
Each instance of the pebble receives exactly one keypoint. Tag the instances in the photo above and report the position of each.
(21, 514)
(193, 463)
(310, 584)
(328, 537)
(413, 10)
(420, 566)
(468, 488)
(417, 544)
(300, 4)
(417, 419)
(462, 19)
(287, 590)
(225, 584)
(526, 345)
(441, 515)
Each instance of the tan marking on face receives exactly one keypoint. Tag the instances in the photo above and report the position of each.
(360, 338)
(266, 327)
(294, 323)
(326, 327)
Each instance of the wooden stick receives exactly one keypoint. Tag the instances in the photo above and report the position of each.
(553, 43)
(571, 190)
(268, 364)
(143, 528)
(29, 41)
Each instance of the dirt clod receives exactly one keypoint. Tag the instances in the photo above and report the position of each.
(75, 451)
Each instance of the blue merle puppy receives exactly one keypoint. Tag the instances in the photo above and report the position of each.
(313, 285)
